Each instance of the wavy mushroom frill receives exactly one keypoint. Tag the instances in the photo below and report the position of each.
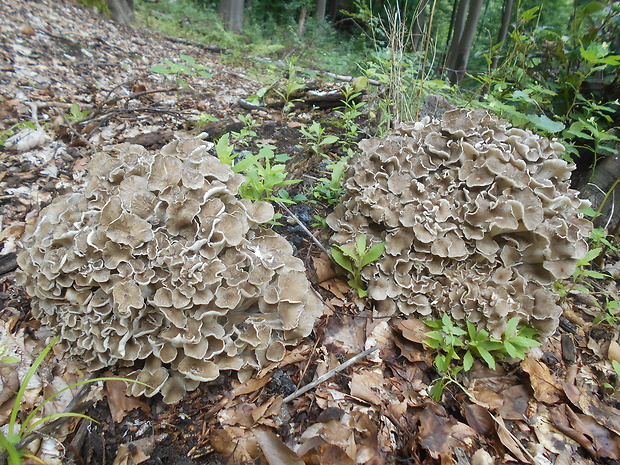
(477, 218)
(159, 262)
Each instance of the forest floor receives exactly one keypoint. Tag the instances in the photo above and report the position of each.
(89, 83)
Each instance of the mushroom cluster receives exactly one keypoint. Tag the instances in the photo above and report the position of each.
(158, 263)
(477, 218)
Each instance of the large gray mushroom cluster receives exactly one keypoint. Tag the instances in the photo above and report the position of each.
(477, 218)
(158, 263)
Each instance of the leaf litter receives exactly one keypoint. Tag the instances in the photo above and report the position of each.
(90, 83)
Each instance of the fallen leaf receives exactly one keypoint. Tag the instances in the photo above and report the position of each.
(323, 267)
(120, 403)
(276, 452)
(514, 403)
(362, 385)
(613, 353)
(414, 330)
(237, 444)
(317, 451)
(479, 418)
(546, 388)
(138, 451)
(508, 440)
(440, 432)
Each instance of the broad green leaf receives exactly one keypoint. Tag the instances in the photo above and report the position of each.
(511, 326)
(589, 256)
(360, 245)
(595, 274)
(341, 260)
(328, 140)
(487, 357)
(546, 124)
(510, 349)
(189, 60)
(468, 361)
(530, 14)
(159, 69)
(373, 253)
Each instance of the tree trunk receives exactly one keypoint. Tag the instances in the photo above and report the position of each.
(459, 52)
(121, 11)
(418, 24)
(231, 13)
(301, 25)
(503, 30)
(320, 9)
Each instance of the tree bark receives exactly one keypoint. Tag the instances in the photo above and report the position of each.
(121, 11)
(418, 24)
(460, 51)
(231, 14)
(503, 30)
(321, 5)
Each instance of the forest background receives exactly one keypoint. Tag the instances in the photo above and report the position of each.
(551, 66)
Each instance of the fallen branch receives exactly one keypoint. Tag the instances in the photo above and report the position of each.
(329, 374)
(303, 226)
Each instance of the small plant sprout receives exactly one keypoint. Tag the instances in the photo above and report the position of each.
(15, 433)
(190, 68)
(317, 139)
(225, 151)
(331, 190)
(75, 114)
(582, 271)
(450, 341)
(263, 177)
(613, 388)
(355, 260)
(247, 131)
(610, 314)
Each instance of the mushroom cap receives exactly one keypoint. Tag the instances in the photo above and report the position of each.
(159, 262)
(475, 216)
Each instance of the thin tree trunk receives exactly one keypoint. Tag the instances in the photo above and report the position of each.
(457, 31)
(418, 24)
(121, 11)
(231, 14)
(301, 25)
(459, 63)
(503, 30)
(320, 9)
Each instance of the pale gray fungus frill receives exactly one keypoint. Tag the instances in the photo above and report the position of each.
(478, 221)
(159, 262)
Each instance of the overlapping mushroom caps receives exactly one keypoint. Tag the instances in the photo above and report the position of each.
(159, 262)
(478, 221)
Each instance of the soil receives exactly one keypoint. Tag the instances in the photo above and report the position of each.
(59, 60)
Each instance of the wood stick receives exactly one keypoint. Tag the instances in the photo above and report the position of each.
(329, 374)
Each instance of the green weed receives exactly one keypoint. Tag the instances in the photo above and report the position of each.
(190, 68)
(457, 344)
(354, 260)
(263, 176)
(331, 190)
(318, 141)
(15, 433)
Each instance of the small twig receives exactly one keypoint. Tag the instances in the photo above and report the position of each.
(303, 226)
(329, 374)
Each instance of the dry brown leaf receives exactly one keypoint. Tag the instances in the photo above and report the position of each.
(440, 432)
(479, 418)
(546, 388)
(252, 385)
(276, 452)
(514, 403)
(362, 385)
(237, 444)
(323, 268)
(589, 404)
(137, 451)
(508, 440)
(317, 451)
(414, 330)
(613, 353)
(336, 286)
(120, 404)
